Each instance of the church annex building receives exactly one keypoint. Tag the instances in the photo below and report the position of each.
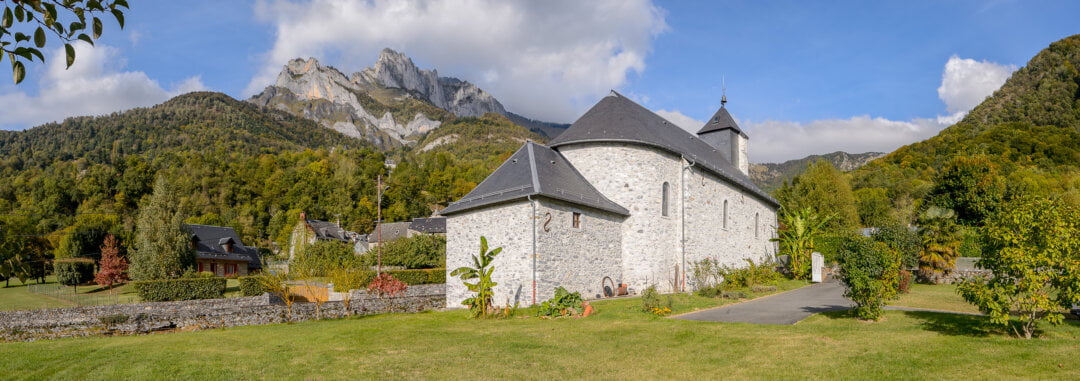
(621, 197)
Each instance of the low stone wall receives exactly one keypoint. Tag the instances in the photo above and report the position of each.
(203, 314)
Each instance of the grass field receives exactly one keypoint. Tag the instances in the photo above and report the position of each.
(619, 342)
(18, 296)
(935, 297)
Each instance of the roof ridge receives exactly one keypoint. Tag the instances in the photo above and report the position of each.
(532, 167)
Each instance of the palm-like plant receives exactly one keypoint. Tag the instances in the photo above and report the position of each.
(480, 305)
(796, 237)
(941, 242)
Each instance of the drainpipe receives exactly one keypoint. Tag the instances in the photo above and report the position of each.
(682, 217)
(533, 218)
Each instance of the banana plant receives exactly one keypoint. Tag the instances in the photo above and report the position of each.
(480, 305)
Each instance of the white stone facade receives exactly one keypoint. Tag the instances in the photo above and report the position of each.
(645, 248)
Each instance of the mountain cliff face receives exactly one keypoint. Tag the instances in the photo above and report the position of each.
(770, 176)
(389, 104)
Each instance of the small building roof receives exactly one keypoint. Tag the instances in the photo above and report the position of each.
(210, 240)
(328, 230)
(720, 121)
(429, 225)
(535, 170)
(618, 119)
(390, 231)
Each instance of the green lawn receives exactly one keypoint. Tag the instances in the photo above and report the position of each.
(935, 297)
(18, 297)
(617, 343)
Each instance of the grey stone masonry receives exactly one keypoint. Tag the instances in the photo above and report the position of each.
(203, 314)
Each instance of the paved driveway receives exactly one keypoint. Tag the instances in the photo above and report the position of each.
(783, 309)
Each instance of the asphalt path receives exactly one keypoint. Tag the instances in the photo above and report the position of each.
(781, 309)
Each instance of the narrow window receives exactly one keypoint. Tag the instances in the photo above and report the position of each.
(757, 219)
(664, 202)
(725, 214)
(577, 220)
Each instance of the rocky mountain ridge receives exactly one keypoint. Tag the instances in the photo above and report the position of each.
(390, 104)
(770, 176)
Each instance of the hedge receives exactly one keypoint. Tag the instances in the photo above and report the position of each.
(180, 289)
(250, 286)
(344, 281)
(74, 271)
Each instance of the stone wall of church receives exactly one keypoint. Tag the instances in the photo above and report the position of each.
(750, 223)
(633, 175)
(504, 225)
(578, 258)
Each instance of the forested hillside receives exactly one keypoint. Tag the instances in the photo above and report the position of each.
(234, 164)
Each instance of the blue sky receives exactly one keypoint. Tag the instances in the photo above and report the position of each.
(802, 77)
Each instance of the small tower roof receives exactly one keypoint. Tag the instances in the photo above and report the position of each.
(721, 120)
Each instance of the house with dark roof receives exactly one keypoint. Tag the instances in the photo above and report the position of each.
(218, 250)
(430, 226)
(388, 231)
(621, 197)
(309, 231)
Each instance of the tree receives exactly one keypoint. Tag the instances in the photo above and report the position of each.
(23, 255)
(826, 191)
(112, 267)
(971, 186)
(940, 236)
(68, 20)
(798, 230)
(1033, 252)
(480, 305)
(871, 273)
(162, 248)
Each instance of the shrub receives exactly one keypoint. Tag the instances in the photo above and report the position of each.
(903, 240)
(386, 285)
(653, 302)
(180, 289)
(417, 252)
(74, 271)
(250, 286)
(870, 271)
(564, 303)
(904, 284)
(763, 288)
(754, 274)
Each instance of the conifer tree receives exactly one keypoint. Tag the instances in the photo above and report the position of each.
(161, 246)
(113, 267)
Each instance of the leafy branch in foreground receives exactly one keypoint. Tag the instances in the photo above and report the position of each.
(68, 20)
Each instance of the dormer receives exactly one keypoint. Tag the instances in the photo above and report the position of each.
(226, 244)
(722, 133)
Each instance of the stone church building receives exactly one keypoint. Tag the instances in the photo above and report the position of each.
(621, 197)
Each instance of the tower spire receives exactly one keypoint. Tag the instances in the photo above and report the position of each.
(723, 92)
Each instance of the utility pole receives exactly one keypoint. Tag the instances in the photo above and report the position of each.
(378, 226)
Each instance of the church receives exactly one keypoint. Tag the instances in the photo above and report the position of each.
(624, 198)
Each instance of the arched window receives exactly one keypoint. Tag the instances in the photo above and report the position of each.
(725, 214)
(757, 220)
(666, 193)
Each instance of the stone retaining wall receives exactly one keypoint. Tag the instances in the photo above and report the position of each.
(203, 314)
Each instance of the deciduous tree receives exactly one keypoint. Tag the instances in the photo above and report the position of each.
(1034, 255)
(27, 25)
(112, 268)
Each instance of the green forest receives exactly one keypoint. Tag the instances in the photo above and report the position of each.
(66, 185)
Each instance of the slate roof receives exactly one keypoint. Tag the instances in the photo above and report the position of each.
(390, 231)
(720, 121)
(618, 119)
(429, 225)
(209, 242)
(328, 230)
(535, 170)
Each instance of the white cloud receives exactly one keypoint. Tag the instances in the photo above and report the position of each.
(966, 82)
(778, 141)
(547, 60)
(92, 86)
(681, 120)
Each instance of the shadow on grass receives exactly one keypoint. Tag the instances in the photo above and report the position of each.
(955, 324)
